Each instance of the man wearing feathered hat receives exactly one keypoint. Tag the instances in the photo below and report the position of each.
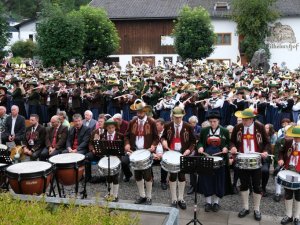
(289, 158)
(141, 134)
(250, 137)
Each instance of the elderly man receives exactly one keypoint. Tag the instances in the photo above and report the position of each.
(178, 136)
(78, 137)
(123, 124)
(250, 137)
(88, 120)
(56, 137)
(142, 134)
(14, 127)
(34, 138)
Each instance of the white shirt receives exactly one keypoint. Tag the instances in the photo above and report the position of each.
(294, 159)
(13, 121)
(179, 127)
(252, 146)
(159, 147)
(87, 123)
(139, 140)
(177, 146)
(111, 137)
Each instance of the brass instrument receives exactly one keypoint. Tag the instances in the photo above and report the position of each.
(17, 151)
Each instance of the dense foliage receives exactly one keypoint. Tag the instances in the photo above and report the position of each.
(252, 18)
(3, 29)
(194, 35)
(24, 49)
(27, 213)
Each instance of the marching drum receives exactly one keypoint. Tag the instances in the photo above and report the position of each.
(115, 166)
(289, 179)
(68, 167)
(171, 161)
(30, 178)
(218, 161)
(141, 159)
(248, 161)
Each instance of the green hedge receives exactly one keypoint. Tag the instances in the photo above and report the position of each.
(19, 212)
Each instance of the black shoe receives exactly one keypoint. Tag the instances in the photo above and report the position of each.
(182, 204)
(244, 213)
(207, 207)
(148, 201)
(140, 200)
(164, 186)
(286, 220)
(257, 215)
(216, 207)
(296, 221)
(174, 204)
(277, 197)
(191, 190)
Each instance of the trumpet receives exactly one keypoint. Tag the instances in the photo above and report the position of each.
(203, 100)
(124, 96)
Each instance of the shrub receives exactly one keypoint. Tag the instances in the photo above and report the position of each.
(16, 212)
(24, 49)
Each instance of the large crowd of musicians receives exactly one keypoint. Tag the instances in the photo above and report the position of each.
(196, 109)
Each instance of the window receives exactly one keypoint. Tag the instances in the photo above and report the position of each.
(221, 6)
(31, 37)
(10, 35)
(223, 39)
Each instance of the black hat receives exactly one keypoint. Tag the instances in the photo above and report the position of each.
(213, 115)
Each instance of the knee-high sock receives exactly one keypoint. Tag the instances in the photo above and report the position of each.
(256, 200)
(208, 200)
(277, 187)
(149, 189)
(141, 188)
(289, 207)
(173, 190)
(115, 190)
(181, 186)
(216, 200)
(297, 210)
(111, 189)
(245, 199)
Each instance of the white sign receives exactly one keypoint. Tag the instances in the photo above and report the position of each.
(167, 41)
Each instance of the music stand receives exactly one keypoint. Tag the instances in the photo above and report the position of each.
(196, 165)
(5, 159)
(109, 148)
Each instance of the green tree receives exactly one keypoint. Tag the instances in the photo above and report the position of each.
(24, 49)
(60, 37)
(102, 38)
(252, 18)
(3, 29)
(193, 33)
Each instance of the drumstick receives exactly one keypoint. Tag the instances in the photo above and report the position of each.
(219, 153)
(204, 153)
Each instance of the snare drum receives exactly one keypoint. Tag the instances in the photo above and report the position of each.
(289, 179)
(218, 161)
(115, 166)
(141, 159)
(3, 147)
(248, 161)
(171, 161)
(29, 178)
(68, 167)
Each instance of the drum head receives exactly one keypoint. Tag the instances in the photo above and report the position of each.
(66, 158)
(3, 165)
(216, 158)
(114, 162)
(29, 167)
(139, 155)
(248, 155)
(4, 147)
(284, 173)
(172, 157)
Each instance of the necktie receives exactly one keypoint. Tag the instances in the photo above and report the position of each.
(248, 138)
(177, 131)
(54, 139)
(141, 127)
(31, 134)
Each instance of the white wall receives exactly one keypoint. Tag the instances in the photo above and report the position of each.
(291, 56)
(26, 30)
(226, 51)
(14, 38)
